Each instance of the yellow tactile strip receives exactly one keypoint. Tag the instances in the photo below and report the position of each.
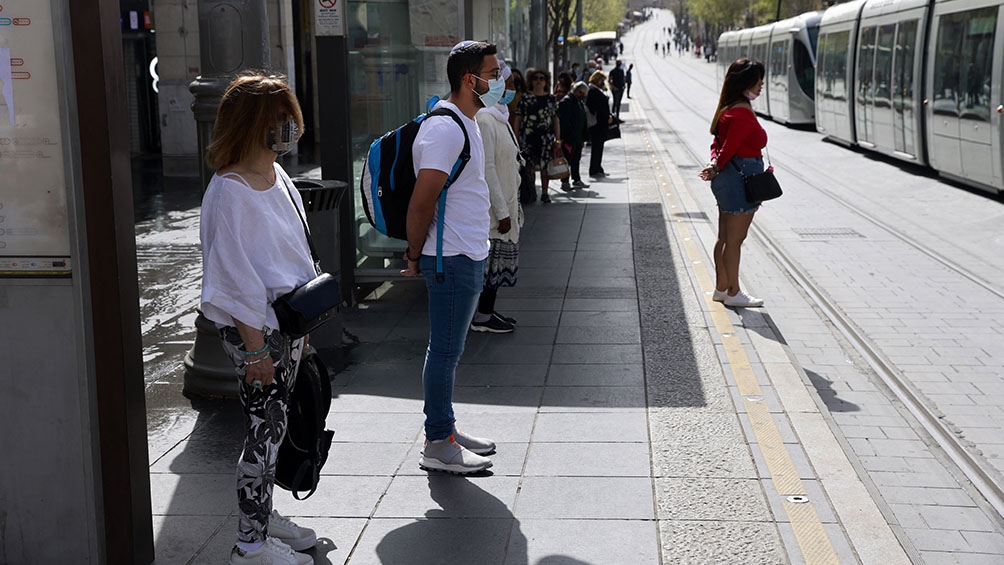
(812, 539)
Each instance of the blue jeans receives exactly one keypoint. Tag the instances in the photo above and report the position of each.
(452, 302)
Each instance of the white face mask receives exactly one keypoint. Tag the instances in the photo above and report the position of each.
(285, 141)
(751, 96)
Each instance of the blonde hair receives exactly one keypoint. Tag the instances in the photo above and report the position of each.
(252, 106)
(597, 77)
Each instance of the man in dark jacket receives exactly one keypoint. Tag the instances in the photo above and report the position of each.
(617, 83)
(572, 118)
(599, 105)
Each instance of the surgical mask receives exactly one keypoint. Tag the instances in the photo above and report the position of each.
(751, 96)
(496, 87)
(507, 96)
(288, 135)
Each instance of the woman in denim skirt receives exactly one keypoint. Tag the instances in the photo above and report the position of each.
(735, 152)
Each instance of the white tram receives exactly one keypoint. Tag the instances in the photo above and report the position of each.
(918, 80)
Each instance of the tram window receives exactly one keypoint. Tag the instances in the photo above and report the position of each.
(779, 65)
(883, 64)
(866, 54)
(906, 44)
(977, 58)
(833, 51)
(804, 71)
(962, 63)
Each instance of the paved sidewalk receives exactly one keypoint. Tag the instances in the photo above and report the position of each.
(613, 404)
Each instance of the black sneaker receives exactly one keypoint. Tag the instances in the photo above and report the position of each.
(506, 319)
(494, 325)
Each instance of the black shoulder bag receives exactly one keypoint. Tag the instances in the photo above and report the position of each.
(303, 309)
(761, 186)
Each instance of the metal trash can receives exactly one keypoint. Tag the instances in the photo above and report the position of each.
(208, 370)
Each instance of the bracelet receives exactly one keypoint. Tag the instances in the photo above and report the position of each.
(256, 361)
(259, 352)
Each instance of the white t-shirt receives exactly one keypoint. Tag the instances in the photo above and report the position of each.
(438, 144)
(253, 250)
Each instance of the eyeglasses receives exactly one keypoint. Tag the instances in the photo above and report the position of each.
(496, 73)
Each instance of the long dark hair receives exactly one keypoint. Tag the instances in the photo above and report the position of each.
(742, 75)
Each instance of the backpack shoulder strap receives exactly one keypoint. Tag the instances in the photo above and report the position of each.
(458, 167)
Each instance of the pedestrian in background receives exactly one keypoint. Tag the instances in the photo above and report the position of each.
(537, 124)
(502, 175)
(563, 85)
(572, 117)
(253, 251)
(617, 83)
(735, 153)
(627, 79)
(599, 105)
(519, 87)
(475, 82)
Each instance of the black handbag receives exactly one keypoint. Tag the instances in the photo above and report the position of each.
(614, 131)
(303, 309)
(761, 186)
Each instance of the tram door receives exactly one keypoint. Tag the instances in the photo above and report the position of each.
(962, 79)
(884, 128)
(904, 111)
(864, 96)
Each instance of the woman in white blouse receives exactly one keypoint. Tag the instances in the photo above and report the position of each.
(502, 175)
(253, 251)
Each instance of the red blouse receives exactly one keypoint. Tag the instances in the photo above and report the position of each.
(739, 135)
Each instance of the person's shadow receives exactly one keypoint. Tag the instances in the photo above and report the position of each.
(470, 526)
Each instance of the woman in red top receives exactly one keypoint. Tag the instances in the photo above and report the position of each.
(735, 152)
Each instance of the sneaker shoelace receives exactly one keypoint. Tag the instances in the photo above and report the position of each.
(284, 520)
(279, 547)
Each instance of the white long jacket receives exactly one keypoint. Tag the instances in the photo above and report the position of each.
(501, 170)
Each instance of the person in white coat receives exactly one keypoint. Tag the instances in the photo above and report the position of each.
(502, 162)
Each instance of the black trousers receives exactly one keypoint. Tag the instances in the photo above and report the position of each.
(618, 96)
(598, 136)
(486, 303)
(574, 157)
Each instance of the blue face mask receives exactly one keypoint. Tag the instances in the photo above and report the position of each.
(507, 96)
(496, 87)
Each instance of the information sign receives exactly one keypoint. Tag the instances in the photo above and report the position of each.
(328, 17)
(34, 226)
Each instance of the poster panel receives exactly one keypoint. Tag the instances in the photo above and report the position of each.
(34, 223)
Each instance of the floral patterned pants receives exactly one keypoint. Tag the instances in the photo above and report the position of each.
(265, 426)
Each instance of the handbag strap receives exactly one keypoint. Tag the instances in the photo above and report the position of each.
(306, 231)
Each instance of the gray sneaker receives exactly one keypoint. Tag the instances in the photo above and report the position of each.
(473, 444)
(447, 455)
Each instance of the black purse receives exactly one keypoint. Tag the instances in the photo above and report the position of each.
(761, 186)
(303, 309)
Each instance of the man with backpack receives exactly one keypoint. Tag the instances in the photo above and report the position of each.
(454, 274)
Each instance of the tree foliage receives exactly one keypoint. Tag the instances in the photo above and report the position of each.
(734, 14)
(602, 15)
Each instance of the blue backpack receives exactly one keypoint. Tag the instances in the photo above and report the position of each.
(388, 179)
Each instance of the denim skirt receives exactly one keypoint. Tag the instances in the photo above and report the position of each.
(729, 188)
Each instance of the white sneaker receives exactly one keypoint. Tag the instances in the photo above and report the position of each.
(274, 552)
(296, 537)
(719, 295)
(742, 300)
(447, 455)
(473, 444)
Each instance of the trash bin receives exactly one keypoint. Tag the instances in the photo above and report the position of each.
(208, 370)
(321, 200)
